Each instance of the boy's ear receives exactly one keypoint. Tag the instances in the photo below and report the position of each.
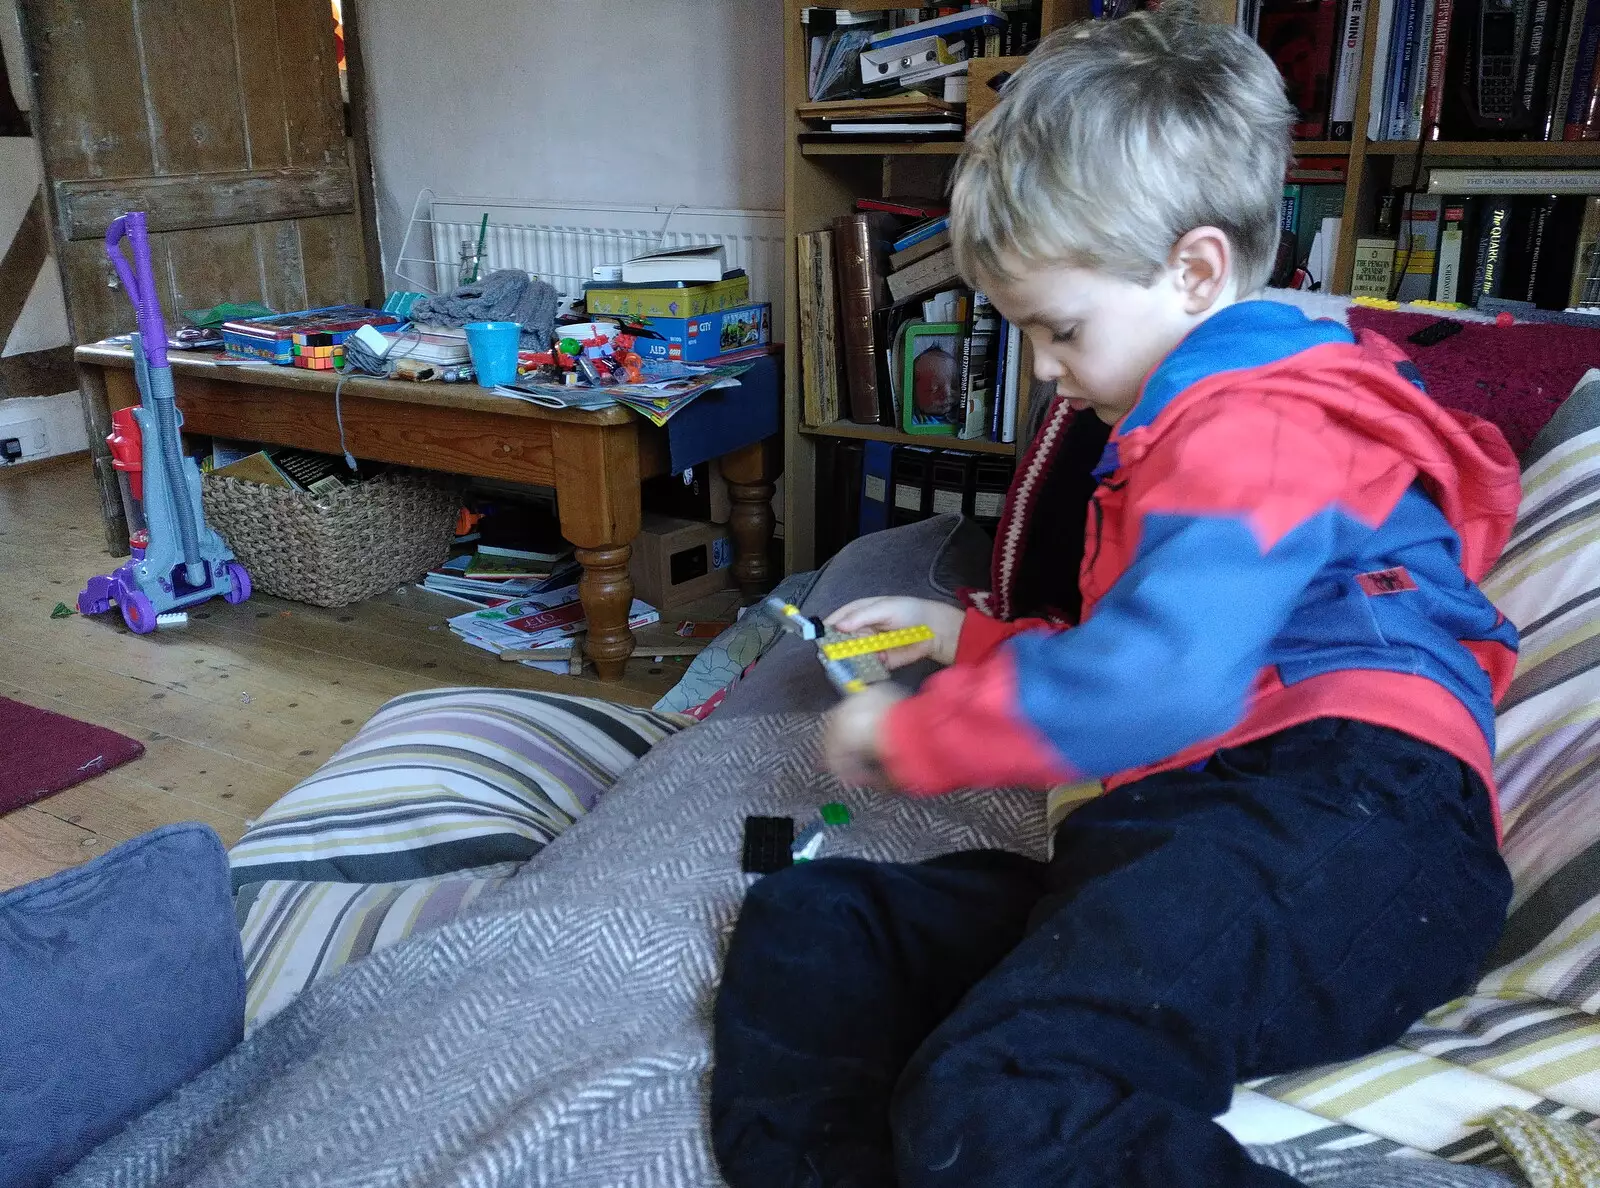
(1202, 267)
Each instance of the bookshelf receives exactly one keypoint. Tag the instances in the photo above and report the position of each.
(824, 180)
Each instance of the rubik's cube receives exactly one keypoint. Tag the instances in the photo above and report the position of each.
(851, 660)
(320, 350)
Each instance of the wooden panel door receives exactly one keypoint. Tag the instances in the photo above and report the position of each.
(224, 121)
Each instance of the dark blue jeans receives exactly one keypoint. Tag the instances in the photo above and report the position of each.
(984, 1020)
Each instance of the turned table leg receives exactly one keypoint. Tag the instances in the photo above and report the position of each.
(750, 472)
(597, 498)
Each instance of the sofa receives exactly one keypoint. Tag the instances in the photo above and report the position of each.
(482, 943)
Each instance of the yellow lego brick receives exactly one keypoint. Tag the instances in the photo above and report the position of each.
(883, 641)
(1450, 306)
(1375, 303)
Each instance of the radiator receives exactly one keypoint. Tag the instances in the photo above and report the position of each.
(562, 242)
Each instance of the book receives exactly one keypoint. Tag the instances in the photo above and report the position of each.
(910, 485)
(1289, 208)
(876, 462)
(1403, 68)
(1554, 125)
(819, 359)
(1538, 61)
(1580, 107)
(1514, 181)
(950, 483)
(967, 20)
(658, 299)
(536, 621)
(1380, 69)
(919, 251)
(703, 262)
(910, 104)
(838, 514)
(429, 348)
(924, 230)
(935, 272)
(1422, 38)
(858, 257)
(1374, 268)
(1347, 71)
(991, 480)
(978, 377)
(911, 208)
(880, 127)
(1436, 69)
(1488, 270)
(1419, 245)
(1447, 279)
(1014, 380)
(1555, 250)
(1299, 35)
(1316, 204)
(1584, 290)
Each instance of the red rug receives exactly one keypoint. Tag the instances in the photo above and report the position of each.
(1515, 376)
(42, 752)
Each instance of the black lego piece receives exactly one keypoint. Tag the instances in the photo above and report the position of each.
(766, 844)
(1435, 332)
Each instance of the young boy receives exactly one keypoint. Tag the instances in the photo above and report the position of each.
(1284, 675)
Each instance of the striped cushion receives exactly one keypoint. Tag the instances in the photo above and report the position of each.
(295, 933)
(1529, 1037)
(447, 780)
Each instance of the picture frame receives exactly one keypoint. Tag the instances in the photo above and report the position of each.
(930, 375)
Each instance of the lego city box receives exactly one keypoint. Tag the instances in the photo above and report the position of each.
(694, 340)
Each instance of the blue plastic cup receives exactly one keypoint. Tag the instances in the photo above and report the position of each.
(493, 346)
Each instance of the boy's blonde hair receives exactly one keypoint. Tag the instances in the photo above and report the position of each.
(1117, 139)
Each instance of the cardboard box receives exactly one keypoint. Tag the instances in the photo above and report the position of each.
(676, 561)
(693, 340)
(666, 301)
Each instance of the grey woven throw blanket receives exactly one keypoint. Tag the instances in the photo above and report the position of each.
(557, 1034)
(507, 295)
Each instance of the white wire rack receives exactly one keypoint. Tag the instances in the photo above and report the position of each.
(562, 242)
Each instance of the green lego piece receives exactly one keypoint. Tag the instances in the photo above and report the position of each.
(61, 611)
(834, 813)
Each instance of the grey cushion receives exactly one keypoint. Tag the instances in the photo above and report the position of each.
(932, 558)
(119, 980)
(1578, 413)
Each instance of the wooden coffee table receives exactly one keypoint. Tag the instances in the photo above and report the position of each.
(594, 460)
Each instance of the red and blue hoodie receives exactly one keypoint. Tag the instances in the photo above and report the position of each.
(1286, 527)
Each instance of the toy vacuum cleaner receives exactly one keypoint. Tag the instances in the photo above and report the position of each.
(177, 561)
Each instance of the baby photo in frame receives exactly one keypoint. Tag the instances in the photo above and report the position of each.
(930, 385)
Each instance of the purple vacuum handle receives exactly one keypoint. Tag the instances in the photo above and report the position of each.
(140, 282)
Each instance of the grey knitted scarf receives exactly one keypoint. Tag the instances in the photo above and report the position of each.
(503, 296)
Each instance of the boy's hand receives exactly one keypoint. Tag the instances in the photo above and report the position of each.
(851, 732)
(889, 613)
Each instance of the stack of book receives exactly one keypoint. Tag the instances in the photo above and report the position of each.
(895, 119)
(857, 55)
(1442, 69)
(494, 576)
(1313, 198)
(891, 337)
(544, 620)
(1484, 236)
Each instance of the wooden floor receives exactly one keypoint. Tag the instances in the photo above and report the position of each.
(233, 709)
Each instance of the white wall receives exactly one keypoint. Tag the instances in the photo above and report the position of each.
(639, 101)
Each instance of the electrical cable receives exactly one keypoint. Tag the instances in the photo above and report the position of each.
(360, 359)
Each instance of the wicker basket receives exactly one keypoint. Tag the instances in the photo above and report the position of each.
(334, 549)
